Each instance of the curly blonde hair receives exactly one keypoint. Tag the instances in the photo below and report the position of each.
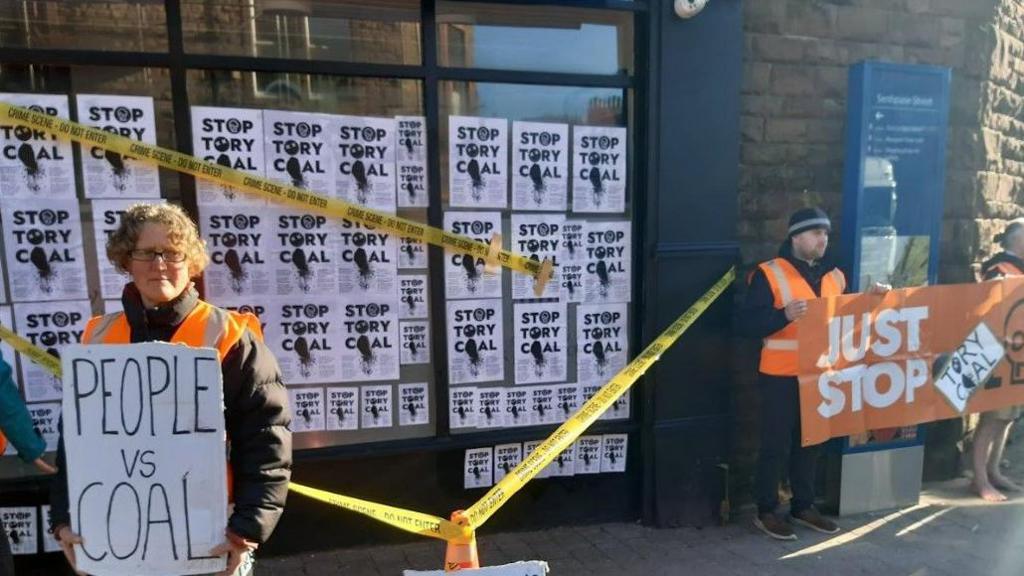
(182, 233)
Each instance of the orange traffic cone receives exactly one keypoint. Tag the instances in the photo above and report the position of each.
(461, 553)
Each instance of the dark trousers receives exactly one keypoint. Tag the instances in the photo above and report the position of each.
(6, 558)
(780, 447)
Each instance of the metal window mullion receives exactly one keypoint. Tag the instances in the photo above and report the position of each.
(536, 78)
(301, 66)
(63, 57)
(179, 102)
(620, 5)
(435, 217)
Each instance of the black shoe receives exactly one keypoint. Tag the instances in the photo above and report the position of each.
(812, 519)
(774, 526)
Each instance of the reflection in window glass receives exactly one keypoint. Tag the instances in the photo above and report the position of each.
(139, 25)
(379, 32)
(539, 38)
(360, 96)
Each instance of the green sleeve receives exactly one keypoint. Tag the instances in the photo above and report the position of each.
(15, 420)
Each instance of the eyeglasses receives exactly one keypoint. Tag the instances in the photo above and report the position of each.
(168, 256)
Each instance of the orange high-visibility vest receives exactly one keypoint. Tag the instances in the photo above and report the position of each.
(1008, 269)
(779, 355)
(207, 326)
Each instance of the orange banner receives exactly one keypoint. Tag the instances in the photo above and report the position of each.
(911, 356)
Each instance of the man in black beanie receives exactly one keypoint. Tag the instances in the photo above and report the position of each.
(777, 297)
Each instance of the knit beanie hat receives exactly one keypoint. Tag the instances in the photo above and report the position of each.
(808, 219)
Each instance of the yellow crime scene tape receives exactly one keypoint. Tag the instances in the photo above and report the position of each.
(492, 252)
(415, 522)
(34, 353)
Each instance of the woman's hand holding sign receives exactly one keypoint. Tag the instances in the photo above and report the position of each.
(238, 550)
(67, 540)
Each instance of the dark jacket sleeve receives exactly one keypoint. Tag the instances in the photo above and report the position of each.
(15, 419)
(257, 419)
(59, 507)
(992, 273)
(759, 317)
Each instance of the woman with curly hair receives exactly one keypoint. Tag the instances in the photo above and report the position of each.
(159, 248)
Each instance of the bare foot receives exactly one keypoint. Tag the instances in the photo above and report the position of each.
(1004, 483)
(989, 494)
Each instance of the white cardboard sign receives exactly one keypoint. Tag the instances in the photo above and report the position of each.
(144, 432)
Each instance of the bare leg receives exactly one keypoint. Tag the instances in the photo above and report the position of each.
(984, 437)
(998, 445)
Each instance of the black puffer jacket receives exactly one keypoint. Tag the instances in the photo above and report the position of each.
(256, 417)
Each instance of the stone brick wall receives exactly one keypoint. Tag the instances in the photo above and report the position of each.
(993, 176)
(796, 58)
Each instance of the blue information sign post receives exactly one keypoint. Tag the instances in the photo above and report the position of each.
(897, 120)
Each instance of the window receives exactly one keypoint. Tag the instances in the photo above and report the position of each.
(380, 32)
(139, 25)
(537, 38)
